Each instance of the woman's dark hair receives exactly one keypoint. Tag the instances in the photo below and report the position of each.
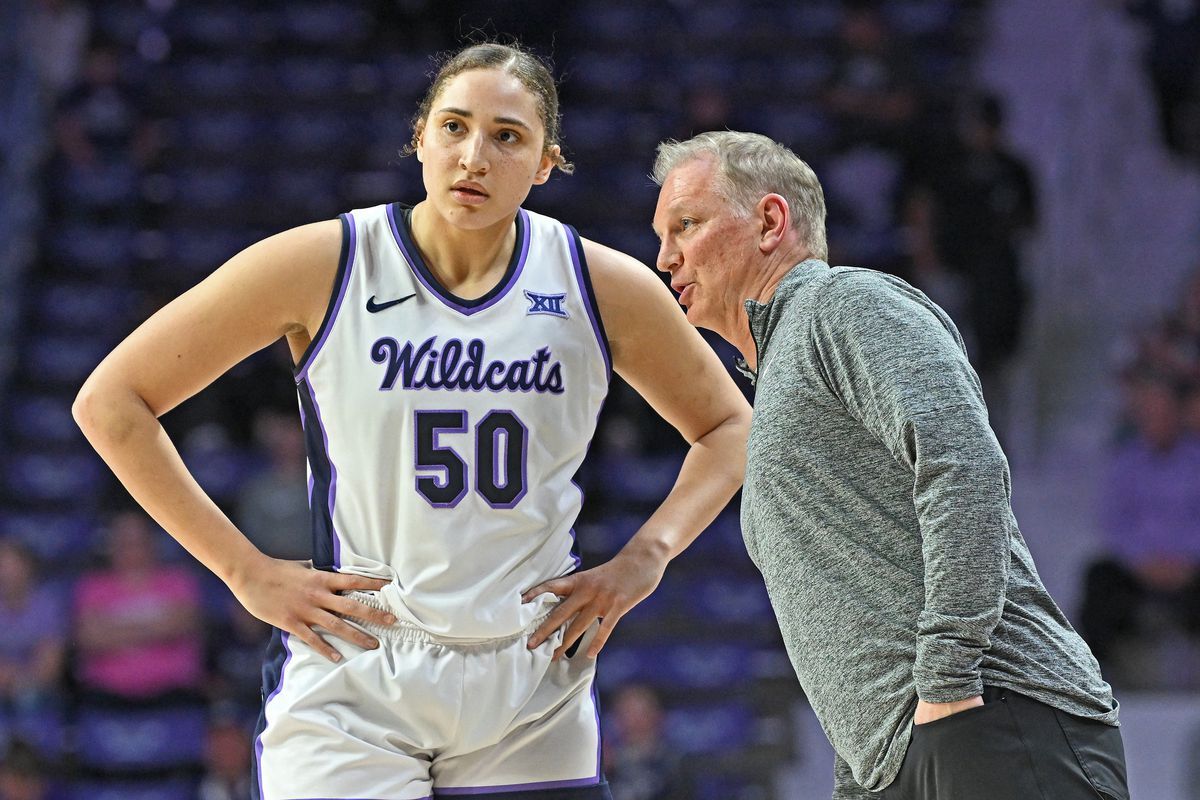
(530, 70)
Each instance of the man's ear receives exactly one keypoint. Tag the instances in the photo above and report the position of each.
(776, 219)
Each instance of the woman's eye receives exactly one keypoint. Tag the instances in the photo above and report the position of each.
(451, 126)
(508, 137)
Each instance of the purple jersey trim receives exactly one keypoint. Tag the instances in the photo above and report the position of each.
(350, 234)
(516, 787)
(575, 553)
(582, 277)
(311, 481)
(419, 268)
(599, 727)
(258, 745)
(331, 495)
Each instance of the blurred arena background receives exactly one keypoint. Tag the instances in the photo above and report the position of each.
(1034, 166)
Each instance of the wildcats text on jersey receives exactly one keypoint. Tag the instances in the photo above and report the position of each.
(424, 366)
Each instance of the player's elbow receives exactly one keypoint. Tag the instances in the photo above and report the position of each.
(101, 412)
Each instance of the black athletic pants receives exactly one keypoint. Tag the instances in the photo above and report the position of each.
(1012, 748)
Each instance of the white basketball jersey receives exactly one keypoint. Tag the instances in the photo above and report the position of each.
(443, 433)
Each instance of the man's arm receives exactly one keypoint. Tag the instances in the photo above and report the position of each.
(844, 785)
(902, 372)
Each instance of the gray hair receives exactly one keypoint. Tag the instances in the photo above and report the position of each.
(749, 167)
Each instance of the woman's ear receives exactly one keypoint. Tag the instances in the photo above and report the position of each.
(419, 141)
(549, 161)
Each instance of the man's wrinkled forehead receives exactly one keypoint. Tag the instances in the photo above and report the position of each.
(687, 184)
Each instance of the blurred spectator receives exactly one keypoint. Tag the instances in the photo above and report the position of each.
(23, 775)
(1173, 346)
(55, 37)
(926, 268)
(637, 759)
(860, 184)
(138, 621)
(983, 207)
(272, 507)
(1151, 576)
(871, 94)
(1191, 410)
(236, 649)
(1173, 60)
(226, 760)
(705, 107)
(33, 647)
(100, 119)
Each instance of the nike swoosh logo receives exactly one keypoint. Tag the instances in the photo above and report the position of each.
(375, 308)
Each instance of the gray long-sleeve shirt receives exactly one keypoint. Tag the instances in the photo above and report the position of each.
(877, 506)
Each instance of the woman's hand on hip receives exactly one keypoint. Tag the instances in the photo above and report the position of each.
(297, 599)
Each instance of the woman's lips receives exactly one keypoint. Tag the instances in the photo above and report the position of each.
(468, 194)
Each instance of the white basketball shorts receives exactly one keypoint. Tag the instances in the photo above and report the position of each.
(422, 717)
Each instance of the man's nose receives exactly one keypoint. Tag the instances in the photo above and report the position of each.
(668, 257)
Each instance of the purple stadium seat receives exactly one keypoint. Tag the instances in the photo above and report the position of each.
(734, 600)
(619, 24)
(803, 127)
(708, 665)
(805, 73)
(172, 789)
(609, 75)
(217, 26)
(407, 74)
(921, 18)
(603, 538)
(215, 78)
(311, 77)
(58, 538)
(597, 128)
(710, 729)
(210, 188)
(220, 132)
(638, 478)
(123, 22)
(44, 729)
(201, 250)
(219, 470)
(326, 23)
(689, 665)
(53, 477)
(714, 22)
(716, 71)
(123, 739)
(100, 185)
(311, 132)
(93, 248)
(813, 19)
(62, 359)
(43, 419)
(722, 540)
(84, 307)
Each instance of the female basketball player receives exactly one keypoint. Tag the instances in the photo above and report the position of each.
(451, 359)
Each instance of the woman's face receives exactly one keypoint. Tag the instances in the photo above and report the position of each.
(16, 572)
(131, 543)
(481, 148)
